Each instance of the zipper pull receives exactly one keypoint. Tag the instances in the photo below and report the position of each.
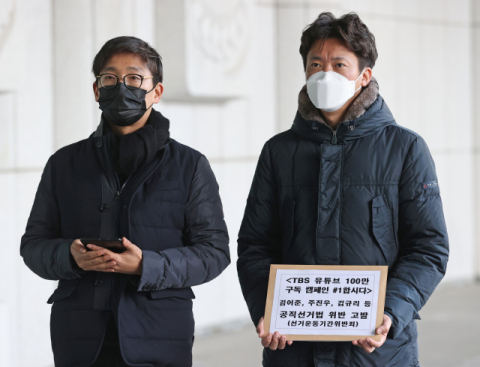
(334, 137)
(117, 195)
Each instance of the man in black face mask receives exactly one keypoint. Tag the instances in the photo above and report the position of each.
(128, 180)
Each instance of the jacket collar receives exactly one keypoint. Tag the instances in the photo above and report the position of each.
(366, 115)
(103, 129)
(99, 132)
(366, 98)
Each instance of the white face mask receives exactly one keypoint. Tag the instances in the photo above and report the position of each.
(329, 90)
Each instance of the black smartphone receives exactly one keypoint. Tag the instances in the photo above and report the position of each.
(112, 244)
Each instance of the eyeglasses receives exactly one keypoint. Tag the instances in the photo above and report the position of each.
(131, 81)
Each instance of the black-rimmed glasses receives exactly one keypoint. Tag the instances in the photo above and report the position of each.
(131, 81)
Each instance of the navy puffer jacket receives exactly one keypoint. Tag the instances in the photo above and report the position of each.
(170, 208)
(366, 194)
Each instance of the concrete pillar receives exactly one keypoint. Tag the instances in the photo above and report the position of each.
(7, 127)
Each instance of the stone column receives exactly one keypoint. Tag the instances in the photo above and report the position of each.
(476, 126)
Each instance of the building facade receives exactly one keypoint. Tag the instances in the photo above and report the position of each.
(232, 73)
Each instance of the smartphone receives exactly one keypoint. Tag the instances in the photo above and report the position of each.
(112, 244)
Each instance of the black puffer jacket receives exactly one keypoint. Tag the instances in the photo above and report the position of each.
(365, 195)
(170, 208)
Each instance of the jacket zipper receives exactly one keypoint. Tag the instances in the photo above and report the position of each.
(117, 203)
(117, 193)
(334, 137)
(334, 134)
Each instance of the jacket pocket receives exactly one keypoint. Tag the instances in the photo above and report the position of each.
(165, 191)
(382, 223)
(287, 226)
(167, 185)
(185, 293)
(62, 292)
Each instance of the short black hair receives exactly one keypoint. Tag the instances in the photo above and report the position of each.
(348, 28)
(131, 45)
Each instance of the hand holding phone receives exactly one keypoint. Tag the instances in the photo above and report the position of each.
(126, 262)
(98, 260)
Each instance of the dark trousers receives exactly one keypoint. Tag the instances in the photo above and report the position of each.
(110, 355)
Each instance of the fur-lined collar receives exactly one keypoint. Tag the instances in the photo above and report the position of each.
(365, 99)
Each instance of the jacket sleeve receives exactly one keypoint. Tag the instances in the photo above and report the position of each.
(423, 239)
(259, 242)
(42, 248)
(206, 253)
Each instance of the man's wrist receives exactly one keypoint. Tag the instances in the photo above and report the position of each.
(139, 267)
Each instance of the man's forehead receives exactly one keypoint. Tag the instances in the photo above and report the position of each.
(125, 61)
(330, 52)
(330, 48)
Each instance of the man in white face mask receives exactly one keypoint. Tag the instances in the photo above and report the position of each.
(334, 78)
(345, 185)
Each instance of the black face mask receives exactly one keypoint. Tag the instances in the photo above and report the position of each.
(122, 106)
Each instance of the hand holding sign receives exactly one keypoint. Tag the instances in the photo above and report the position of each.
(273, 341)
(368, 344)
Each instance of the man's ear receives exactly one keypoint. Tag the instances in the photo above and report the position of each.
(95, 91)
(158, 91)
(366, 76)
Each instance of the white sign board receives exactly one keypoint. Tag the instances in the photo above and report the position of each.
(325, 302)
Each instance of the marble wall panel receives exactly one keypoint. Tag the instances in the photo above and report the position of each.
(434, 101)
(8, 270)
(458, 11)
(208, 127)
(458, 66)
(476, 125)
(32, 310)
(456, 187)
(74, 51)
(5, 344)
(291, 75)
(236, 122)
(13, 50)
(264, 81)
(34, 113)
(7, 126)
(386, 69)
(212, 49)
(182, 121)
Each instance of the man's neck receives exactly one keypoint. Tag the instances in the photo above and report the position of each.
(124, 130)
(335, 118)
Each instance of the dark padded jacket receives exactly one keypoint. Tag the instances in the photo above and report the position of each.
(367, 195)
(170, 208)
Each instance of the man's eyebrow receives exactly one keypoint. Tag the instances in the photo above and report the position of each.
(114, 69)
(336, 58)
(339, 58)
